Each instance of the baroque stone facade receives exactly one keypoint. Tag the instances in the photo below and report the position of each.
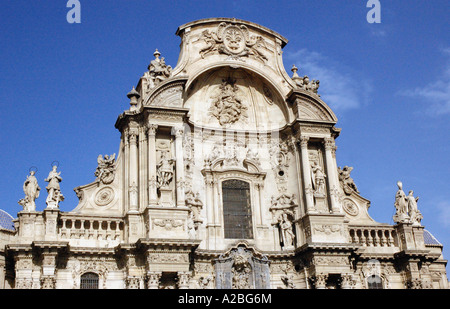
(226, 177)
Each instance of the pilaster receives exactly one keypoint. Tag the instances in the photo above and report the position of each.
(179, 131)
(307, 174)
(333, 178)
(152, 187)
(133, 195)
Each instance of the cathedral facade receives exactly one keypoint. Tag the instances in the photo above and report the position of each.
(225, 178)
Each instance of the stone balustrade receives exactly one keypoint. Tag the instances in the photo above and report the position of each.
(373, 236)
(90, 228)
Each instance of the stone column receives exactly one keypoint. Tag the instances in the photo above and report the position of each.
(333, 180)
(307, 174)
(179, 165)
(152, 188)
(153, 279)
(133, 177)
(209, 210)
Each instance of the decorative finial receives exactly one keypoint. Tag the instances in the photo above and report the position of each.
(133, 95)
(294, 71)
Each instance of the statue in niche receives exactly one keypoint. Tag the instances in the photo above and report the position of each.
(31, 190)
(191, 226)
(157, 70)
(164, 170)
(195, 205)
(283, 214)
(414, 213)
(227, 107)
(53, 189)
(347, 183)
(105, 169)
(318, 179)
(286, 231)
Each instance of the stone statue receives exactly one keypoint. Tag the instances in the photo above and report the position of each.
(105, 169)
(195, 205)
(347, 183)
(318, 179)
(191, 227)
(406, 207)
(401, 205)
(157, 70)
(31, 190)
(286, 231)
(414, 213)
(54, 192)
(304, 82)
(164, 170)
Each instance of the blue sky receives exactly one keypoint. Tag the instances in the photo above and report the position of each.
(63, 85)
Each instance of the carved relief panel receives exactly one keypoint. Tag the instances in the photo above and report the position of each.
(240, 268)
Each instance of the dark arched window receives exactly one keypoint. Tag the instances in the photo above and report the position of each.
(374, 282)
(89, 281)
(237, 211)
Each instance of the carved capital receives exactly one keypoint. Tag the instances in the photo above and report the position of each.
(132, 137)
(132, 283)
(303, 141)
(48, 282)
(178, 131)
(183, 279)
(153, 280)
(321, 281)
(328, 143)
(151, 129)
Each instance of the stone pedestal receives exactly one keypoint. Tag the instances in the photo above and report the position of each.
(167, 222)
(324, 228)
(166, 198)
(410, 237)
(30, 223)
(51, 224)
(321, 203)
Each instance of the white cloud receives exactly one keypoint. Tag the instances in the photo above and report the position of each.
(437, 93)
(443, 209)
(338, 87)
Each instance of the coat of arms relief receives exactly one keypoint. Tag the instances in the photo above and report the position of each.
(234, 41)
(227, 106)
